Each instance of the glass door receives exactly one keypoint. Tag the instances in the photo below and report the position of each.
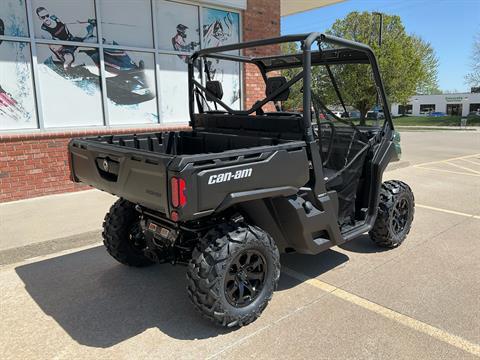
(454, 109)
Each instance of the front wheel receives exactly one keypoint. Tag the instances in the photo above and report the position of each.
(395, 214)
(233, 273)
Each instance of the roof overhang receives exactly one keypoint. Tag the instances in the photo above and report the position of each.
(290, 7)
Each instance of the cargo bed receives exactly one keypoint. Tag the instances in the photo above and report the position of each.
(139, 167)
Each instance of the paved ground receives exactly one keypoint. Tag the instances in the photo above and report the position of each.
(419, 301)
(36, 220)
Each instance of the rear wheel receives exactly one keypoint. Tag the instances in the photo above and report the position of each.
(395, 214)
(123, 236)
(233, 273)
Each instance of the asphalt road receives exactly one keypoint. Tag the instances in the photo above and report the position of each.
(421, 300)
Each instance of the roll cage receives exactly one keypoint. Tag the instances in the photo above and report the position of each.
(346, 52)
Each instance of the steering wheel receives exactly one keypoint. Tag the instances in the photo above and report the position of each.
(331, 139)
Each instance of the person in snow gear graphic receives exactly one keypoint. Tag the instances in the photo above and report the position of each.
(179, 42)
(58, 30)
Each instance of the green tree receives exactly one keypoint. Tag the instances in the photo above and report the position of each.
(295, 99)
(473, 78)
(407, 63)
(321, 84)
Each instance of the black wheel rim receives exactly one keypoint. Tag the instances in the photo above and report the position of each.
(401, 214)
(136, 238)
(245, 278)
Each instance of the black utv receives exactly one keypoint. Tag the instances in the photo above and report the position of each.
(226, 197)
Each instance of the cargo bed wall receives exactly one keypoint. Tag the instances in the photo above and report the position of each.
(140, 178)
(186, 143)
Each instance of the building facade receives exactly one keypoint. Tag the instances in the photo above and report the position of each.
(460, 104)
(92, 67)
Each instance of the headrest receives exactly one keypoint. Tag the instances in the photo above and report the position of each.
(215, 87)
(273, 84)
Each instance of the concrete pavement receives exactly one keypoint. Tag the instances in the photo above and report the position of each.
(421, 300)
(31, 221)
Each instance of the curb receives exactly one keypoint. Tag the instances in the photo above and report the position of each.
(14, 255)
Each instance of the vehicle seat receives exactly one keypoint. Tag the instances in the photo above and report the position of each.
(273, 84)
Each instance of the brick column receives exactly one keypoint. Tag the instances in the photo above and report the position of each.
(261, 20)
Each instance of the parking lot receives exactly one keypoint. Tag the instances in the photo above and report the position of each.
(421, 300)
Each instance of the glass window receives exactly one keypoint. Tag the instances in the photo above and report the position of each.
(174, 89)
(405, 109)
(72, 20)
(69, 85)
(220, 27)
(228, 73)
(13, 18)
(454, 109)
(474, 107)
(130, 77)
(223, 28)
(17, 101)
(427, 108)
(127, 22)
(178, 26)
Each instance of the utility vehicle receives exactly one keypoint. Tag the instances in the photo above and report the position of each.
(244, 185)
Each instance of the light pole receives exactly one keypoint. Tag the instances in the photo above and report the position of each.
(380, 27)
(379, 45)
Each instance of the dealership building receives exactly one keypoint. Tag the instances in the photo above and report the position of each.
(93, 67)
(460, 104)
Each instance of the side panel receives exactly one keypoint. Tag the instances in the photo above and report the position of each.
(209, 189)
(296, 224)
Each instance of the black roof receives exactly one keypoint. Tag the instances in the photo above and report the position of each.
(347, 52)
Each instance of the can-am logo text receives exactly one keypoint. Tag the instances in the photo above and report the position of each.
(239, 174)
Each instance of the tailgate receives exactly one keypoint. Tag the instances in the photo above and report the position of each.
(136, 175)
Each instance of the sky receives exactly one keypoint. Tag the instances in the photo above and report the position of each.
(448, 25)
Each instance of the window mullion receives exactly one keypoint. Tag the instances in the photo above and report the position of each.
(103, 79)
(157, 59)
(34, 67)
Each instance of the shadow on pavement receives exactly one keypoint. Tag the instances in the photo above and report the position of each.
(364, 245)
(101, 303)
(311, 265)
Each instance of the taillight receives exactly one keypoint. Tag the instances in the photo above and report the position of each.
(178, 192)
(174, 187)
(181, 188)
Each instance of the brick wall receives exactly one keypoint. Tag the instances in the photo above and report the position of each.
(36, 164)
(261, 20)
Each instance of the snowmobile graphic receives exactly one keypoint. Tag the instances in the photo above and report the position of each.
(129, 84)
(127, 87)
